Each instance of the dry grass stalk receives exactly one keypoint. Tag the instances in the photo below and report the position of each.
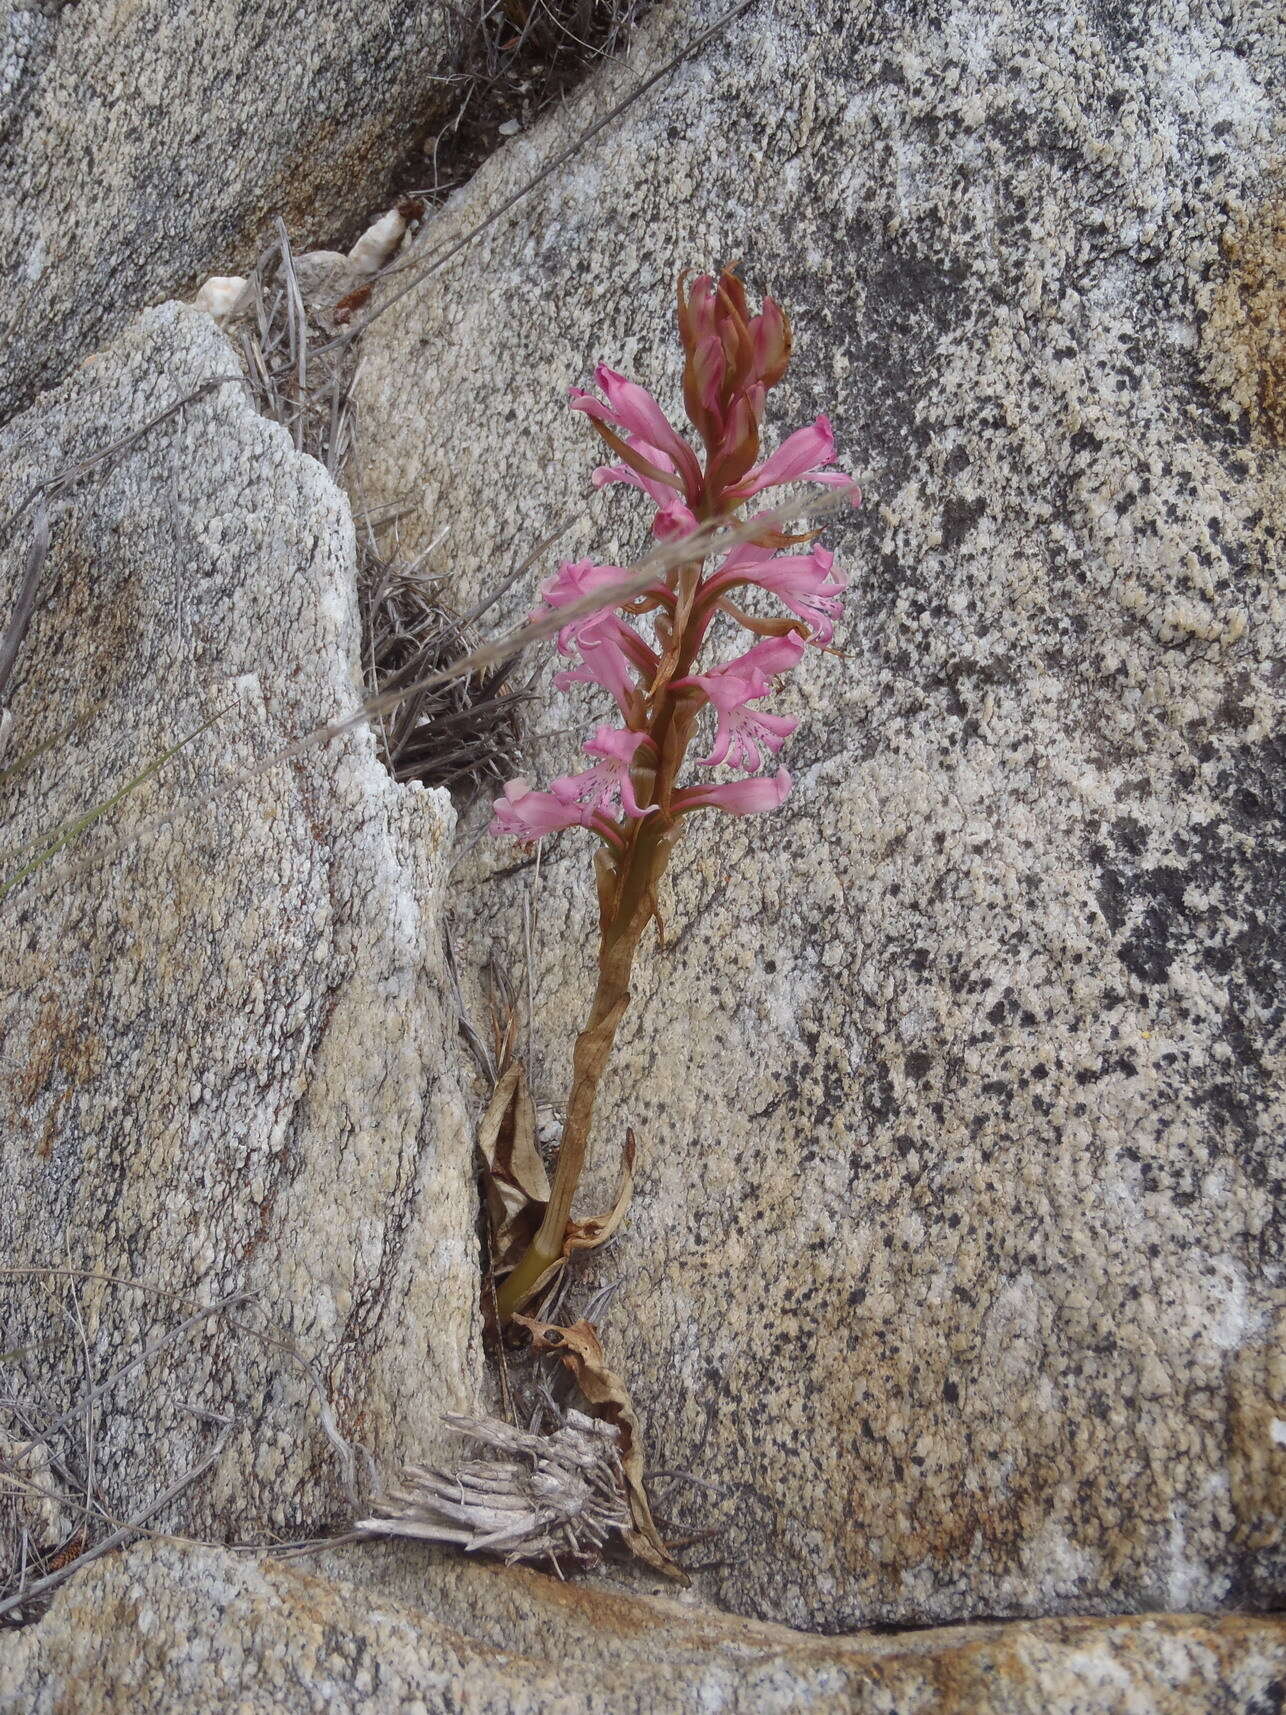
(299, 374)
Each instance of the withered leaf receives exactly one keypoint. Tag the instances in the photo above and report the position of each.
(588, 1235)
(581, 1352)
(514, 1180)
(350, 303)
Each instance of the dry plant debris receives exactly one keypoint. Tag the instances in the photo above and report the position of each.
(289, 320)
(515, 58)
(582, 1354)
(54, 1518)
(461, 733)
(536, 1497)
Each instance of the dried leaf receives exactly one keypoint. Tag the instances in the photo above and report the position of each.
(349, 304)
(588, 1235)
(581, 1352)
(515, 1183)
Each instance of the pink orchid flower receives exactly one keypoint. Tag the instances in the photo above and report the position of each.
(806, 583)
(742, 733)
(673, 517)
(611, 652)
(749, 797)
(607, 788)
(633, 409)
(801, 457)
(529, 815)
(632, 797)
(576, 579)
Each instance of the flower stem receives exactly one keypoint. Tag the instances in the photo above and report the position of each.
(627, 900)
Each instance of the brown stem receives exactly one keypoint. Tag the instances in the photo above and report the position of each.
(627, 907)
(635, 905)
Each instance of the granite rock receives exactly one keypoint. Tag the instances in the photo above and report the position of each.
(956, 1246)
(225, 1061)
(163, 1629)
(144, 147)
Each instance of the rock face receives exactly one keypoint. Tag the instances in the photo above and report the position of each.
(440, 1640)
(958, 1081)
(143, 148)
(224, 1061)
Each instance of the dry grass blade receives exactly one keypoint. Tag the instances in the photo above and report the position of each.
(710, 539)
(299, 374)
(56, 839)
(461, 731)
(24, 605)
(68, 475)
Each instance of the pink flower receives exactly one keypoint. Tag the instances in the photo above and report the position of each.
(608, 646)
(807, 583)
(742, 734)
(607, 788)
(528, 815)
(633, 409)
(799, 458)
(673, 518)
(572, 582)
(602, 663)
(611, 653)
(739, 797)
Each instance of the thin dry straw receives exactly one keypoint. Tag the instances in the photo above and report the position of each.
(709, 540)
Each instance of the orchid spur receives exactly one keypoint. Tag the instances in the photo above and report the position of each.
(632, 798)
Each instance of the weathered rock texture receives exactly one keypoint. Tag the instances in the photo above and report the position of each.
(164, 1629)
(953, 1258)
(224, 1057)
(145, 146)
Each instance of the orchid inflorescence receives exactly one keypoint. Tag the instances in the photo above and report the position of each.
(630, 796)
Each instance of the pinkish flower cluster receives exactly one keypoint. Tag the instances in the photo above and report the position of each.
(732, 359)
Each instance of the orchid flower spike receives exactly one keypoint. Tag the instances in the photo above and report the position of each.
(633, 797)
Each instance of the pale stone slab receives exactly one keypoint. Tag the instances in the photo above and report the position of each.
(225, 1058)
(167, 1629)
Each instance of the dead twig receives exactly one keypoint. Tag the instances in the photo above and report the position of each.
(25, 602)
(41, 1586)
